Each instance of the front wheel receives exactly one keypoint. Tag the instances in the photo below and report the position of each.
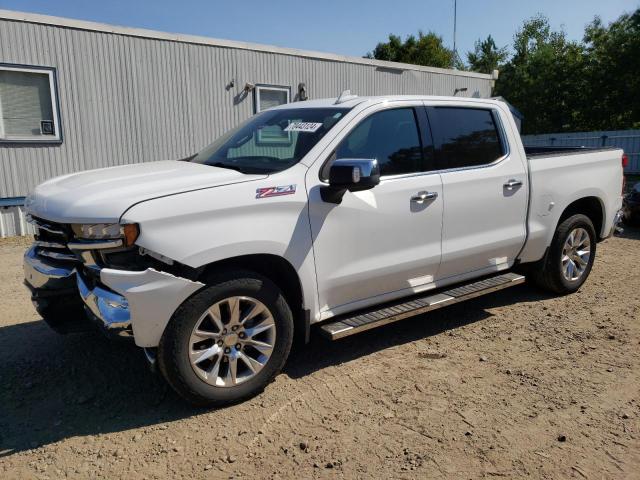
(227, 342)
(570, 257)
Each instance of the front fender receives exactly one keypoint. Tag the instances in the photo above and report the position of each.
(202, 227)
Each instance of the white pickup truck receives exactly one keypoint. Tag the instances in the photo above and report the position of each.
(347, 213)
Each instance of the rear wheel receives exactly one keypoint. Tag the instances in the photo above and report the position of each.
(227, 342)
(570, 257)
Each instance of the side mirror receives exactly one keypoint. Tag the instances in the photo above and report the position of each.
(352, 174)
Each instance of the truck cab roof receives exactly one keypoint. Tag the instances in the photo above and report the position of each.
(354, 100)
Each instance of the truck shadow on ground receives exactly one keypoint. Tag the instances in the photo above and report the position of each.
(322, 353)
(56, 387)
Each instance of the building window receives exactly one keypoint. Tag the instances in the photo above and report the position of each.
(268, 96)
(28, 105)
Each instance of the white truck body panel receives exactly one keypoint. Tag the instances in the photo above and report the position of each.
(373, 247)
(102, 195)
(218, 224)
(372, 234)
(557, 181)
(484, 224)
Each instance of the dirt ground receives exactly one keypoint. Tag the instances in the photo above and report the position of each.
(514, 384)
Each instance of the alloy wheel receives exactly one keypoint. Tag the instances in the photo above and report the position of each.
(575, 254)
(232, 341)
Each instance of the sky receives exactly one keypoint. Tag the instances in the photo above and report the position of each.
(346, 27)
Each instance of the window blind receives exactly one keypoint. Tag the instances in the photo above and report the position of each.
(25, 101)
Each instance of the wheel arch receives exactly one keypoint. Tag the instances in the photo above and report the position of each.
(281, 272)
(592, 207)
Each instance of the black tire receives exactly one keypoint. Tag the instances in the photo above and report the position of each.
(547, 274)
(63, 314)
(173, 351)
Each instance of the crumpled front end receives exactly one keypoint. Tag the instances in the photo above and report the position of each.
(127, 294)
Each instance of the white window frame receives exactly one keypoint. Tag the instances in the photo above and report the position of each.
(53, 91)
(277, 88)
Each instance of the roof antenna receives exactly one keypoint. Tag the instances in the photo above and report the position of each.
(345, 96)
(456, 57)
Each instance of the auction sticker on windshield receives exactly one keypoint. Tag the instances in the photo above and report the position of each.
(303, 127)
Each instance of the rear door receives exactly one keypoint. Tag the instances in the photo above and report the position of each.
(485, 189)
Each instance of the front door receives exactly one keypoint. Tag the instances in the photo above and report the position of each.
(381, 243)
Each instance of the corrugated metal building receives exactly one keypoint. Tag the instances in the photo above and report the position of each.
(628, 140)
(76, 95)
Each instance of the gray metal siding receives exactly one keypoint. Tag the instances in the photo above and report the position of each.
(628, 140)
(13, 222)
(126, 99)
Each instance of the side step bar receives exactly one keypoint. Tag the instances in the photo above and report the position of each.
(393, 312)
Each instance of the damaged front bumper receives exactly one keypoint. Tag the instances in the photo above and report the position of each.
(125, 304)
(151, 297)
(109, 310)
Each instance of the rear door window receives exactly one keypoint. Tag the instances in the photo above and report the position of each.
(465, 137)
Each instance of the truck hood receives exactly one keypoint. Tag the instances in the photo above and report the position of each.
(103, 195)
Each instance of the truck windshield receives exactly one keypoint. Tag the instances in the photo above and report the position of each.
(271, 141)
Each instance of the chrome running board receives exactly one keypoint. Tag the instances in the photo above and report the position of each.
(372, 318)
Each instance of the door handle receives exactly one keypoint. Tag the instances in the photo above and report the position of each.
(420, 197)
(512, 184)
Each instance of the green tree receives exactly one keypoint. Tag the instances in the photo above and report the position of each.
(559, 85)
(545, 78)
(486, 56)
(425, 49)
(613, 73)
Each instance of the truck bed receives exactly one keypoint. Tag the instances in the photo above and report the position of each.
(537, 151)
(561, 175)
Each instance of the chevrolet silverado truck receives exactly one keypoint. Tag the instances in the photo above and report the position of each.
(329, 217)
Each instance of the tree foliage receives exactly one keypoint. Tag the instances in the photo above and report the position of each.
(486, 56)
(425, 49)
(544, 78)
(564, 86)
(613, 73)
(558, 84)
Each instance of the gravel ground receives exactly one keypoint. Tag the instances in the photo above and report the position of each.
(514, 384)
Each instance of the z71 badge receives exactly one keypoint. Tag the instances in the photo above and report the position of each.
(275, 191)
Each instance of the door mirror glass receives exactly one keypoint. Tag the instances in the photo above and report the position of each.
(352, 174)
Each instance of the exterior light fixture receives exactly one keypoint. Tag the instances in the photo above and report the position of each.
(302, 92)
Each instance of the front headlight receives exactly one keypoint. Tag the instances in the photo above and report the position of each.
(107, 231)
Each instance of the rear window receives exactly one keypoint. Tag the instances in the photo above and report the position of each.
(465, 137)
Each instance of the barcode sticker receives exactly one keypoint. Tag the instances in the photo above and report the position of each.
(303, 127)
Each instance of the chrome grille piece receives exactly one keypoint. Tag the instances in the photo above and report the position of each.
(51, 242)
